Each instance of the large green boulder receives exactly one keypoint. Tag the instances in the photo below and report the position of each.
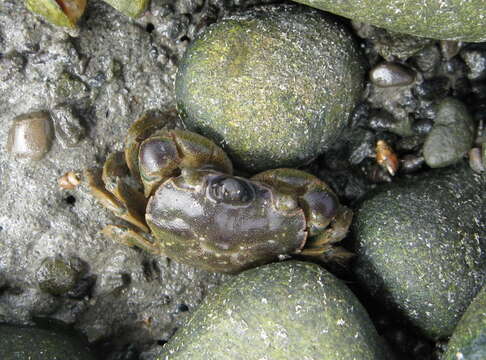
(28, 343)
(420, 246)
(463, 20)
(282, 311)
(273, 86)
(469, 339)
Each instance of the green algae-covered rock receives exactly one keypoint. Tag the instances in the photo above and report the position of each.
(469, 339)
(133, 8)
(420, 246)
(26, 343)
(463, 20)
(290, 310)
(274, 86)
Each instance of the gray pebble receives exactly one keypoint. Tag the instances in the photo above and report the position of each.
(56, 277)
(30, 135)
(475, 60)
(384, 121)
(452, 135)
(69, 130)
(391, 74)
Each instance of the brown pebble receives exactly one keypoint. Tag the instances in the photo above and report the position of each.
(386, 157)
(391, 74)
(30, 135)
(476, 160)
(69, 180)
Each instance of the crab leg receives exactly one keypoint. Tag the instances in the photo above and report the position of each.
(118, 201)
(335, 233)
(127, 236)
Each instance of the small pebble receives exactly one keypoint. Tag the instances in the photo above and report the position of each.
(410, 143)
(30, 135)
(452, 135)
(422, 126)
(391, 74)
(384, 121)
(69, 130)
(411, 163)
(477, 159)
(56, 277)
(475, 60)
(450, 48)
(427, 60)
(434, 88)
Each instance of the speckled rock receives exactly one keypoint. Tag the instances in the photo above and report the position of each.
(274, 86)
(280, 311)
(419, 246)
(447, 19)
(451, 136)
(469, 339)
(22, 343)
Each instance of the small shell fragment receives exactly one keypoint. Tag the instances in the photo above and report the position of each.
(58, 12)
(69, 180)
(30, 135)
(386, 157)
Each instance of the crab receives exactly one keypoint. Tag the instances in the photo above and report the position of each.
(177, 192)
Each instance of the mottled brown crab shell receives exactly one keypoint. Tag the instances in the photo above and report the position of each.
(195, 229)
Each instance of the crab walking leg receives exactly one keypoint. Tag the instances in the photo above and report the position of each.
(119, 205)
(165, 153)
(130, 237)
(335, 233)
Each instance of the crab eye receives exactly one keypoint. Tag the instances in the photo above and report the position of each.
(230, 190)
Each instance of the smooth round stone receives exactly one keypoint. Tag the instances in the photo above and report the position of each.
(452, 135)
(286, 311)
(462, 20)
(273, 86)
(28, 343)
(390, 74)
(420, 246)
(30, 135)
(469, 339)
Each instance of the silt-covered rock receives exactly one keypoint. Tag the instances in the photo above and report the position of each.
(279, 311)
(274, 86)
(469, 338)
(446, 19)
(420, 247)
